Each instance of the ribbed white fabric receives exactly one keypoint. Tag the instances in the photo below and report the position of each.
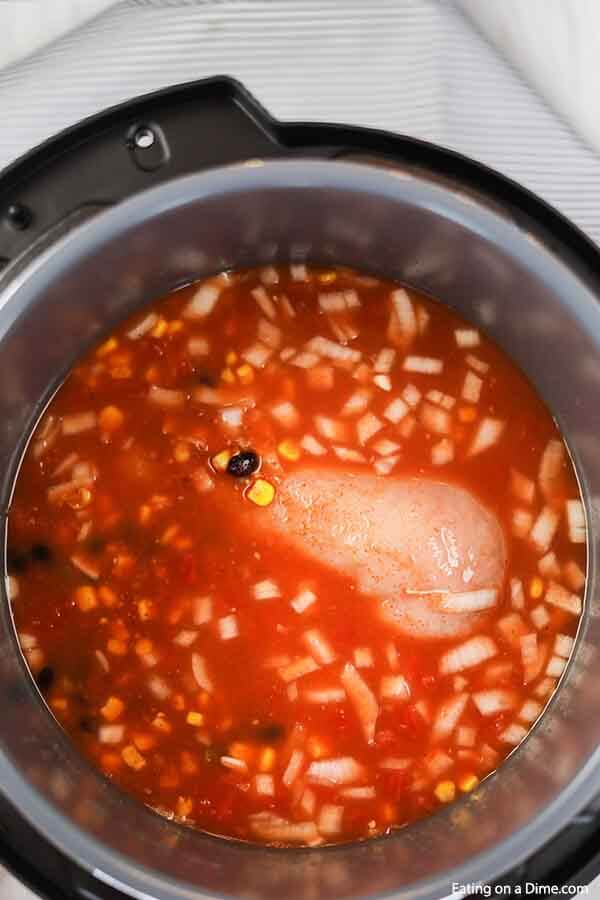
(416, 67)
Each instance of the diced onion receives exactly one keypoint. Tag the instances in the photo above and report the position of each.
(394, 687)
(551, 467)
(385, 466)
(548, 566)
(545, 687)
(557, 595)
(521, 522)
(386, 447)
(321, 378)
(228, 627)
(308, 802)
(367, 427)
(266, 590)
(544, 529)
(512, 628)
(203, 302)
(530, 711)
(437, 763)
(471, 389)
(146, 324)
(563, 645)
(514, 734)
(293, 768)
(448, 716)
(466, 337)
(312, 446)
(272, 828)
(478, 364)
(412, 395)
(159, 687)
(337, 352)
(573, 575)
(384, 361)
(425, 365)
(466, 736)
(330, 819)
(356, 403)
(363, 658)
(469, 601)
(298, 668)
(517, 596)
(395, 764)
(319, 647)
(298, 272)
(264, 785)
(269, 275)
(488, 433)
(556, 666)
(265, 303)
(337, 771)
(396, 410)
(111, 734)
(232, 762)
(325, 695)
(467, 655)
(78, 422)
(232, 417)
(434, 419)
(202, 610)
(383, 382)
(257, 355)
(402, 327)
(330, 429)
(521, 487)
(347, 454)
(490, 703)
(198, 346)
(576, 521)
(286, 414)
(362, 699)
(442, 453)
(166, 397)
(303, 600)
(539, 616)
(269, 334)
(185, 638)
(305, 360)
(200, 673)
(359, 793)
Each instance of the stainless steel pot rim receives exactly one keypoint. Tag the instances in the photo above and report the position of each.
(88, 852)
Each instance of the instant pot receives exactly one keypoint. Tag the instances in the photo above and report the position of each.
(176, 185)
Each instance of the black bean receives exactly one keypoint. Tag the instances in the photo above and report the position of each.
(86, 724)
(243, 464)
(41, 553)
(270, 732)
(45, 679)
(16, 561)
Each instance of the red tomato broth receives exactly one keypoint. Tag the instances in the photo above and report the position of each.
(107, 572)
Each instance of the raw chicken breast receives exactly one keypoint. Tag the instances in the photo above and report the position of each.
(415, 545)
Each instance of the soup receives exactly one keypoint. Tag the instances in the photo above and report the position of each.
(296, 556)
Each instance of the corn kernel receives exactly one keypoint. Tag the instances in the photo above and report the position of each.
(467, 414)
(261, 492)
(231, 358)
(445, 791)
(159, 329)
(266, 760)
(110, 762)
(175, 325)
(388, 813)
(107, 596)
(228, 376)
(241, 751)
(112, 709)
(289, 450)
(145, 514)
(86, 597)
(143, 647)
(467, 783)
(194, 718)
(116, 647)
(107, 347)
(536, 588)
(132, 756)
(184, 807)
(111, 418)
(221, 460)
(79, 498)
(245, 374)
(316, 748)
(144, 742)
(327, 277)
(182, 452)
(189, 766)
(145, 610)
(161, 723)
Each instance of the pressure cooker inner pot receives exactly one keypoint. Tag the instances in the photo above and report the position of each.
(507, 276)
